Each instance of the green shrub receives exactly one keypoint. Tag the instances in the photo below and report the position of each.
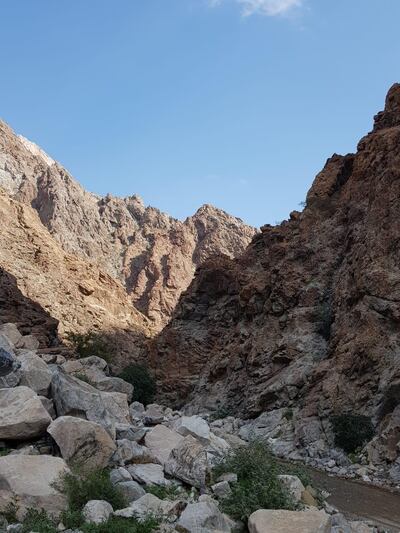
(352, 431)
(72, 519)
(258, 486)
(144, 385)
(95, 485)
(91, 343)
(39, 522)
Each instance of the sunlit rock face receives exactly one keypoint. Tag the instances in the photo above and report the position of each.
(153, 255)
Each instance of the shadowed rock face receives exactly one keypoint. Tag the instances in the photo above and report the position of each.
(28, 315)
(309, 315)
(152, 254)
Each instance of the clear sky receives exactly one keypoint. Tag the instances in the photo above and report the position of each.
(237, 103)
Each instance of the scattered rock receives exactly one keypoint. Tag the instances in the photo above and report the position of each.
(129, 451)
(148, 474)
(82, 443)
(161, 441)
(131, 490)
(74, 397)
(202, 517)
(119, 475)
(22, 415)
(150, 505)
(31, 480)
(97, 511)
(221, 489)
(294, 486)
(35, 374)
(195, 426)
(278, 521)
(188, 462)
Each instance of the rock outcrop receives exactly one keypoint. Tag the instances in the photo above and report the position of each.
(153, 255)
(74, 292)
(308, 317)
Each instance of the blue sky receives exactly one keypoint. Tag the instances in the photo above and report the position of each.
(237, 103)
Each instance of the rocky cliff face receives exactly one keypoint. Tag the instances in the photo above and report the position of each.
(153, 255)
(41, 284)
(309, 316)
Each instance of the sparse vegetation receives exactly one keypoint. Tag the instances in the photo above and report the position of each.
(95, 485)
(352, 431)
(4, 451)
(144, 385)
(220, 413)
(91, 343)
(258, 486)
(38, 521)
(165, 492)
(84, 378)
(288, 414)
(117, 524)
(80, 489)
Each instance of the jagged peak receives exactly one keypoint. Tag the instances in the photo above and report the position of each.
(390, 117)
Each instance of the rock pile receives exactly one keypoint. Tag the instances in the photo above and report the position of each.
(65, 415)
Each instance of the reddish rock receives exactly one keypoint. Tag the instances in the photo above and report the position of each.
(309, 315)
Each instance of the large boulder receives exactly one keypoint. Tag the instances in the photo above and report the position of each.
(97, 511)
(22, 415)
(35, 374)
(129, 451)
(77, 398)
(150, 505)
(148, 474)
(81, 442)
(203, 517)
(131, 490)
(161, 441)
(29, 481)
(272, 521)
(188, 462)
(195, 426)
(11, 332)
(293, 485)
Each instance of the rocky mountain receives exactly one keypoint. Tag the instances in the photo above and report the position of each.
(41, 285)
(308, 318)
(152, 254)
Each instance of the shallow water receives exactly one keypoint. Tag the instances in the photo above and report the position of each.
(361, 501)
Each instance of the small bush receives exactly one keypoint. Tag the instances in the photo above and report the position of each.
(352, 431)
(39, 522)
(258, 486)
(91, 343)
(144, 385)
(95, 485)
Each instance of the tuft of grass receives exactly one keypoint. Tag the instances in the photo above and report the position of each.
(258, 486)
(39, 522)
(165, 492)
(144, 385)
(84, 378)
(95, 485)
(117, 524)
(4, 452)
